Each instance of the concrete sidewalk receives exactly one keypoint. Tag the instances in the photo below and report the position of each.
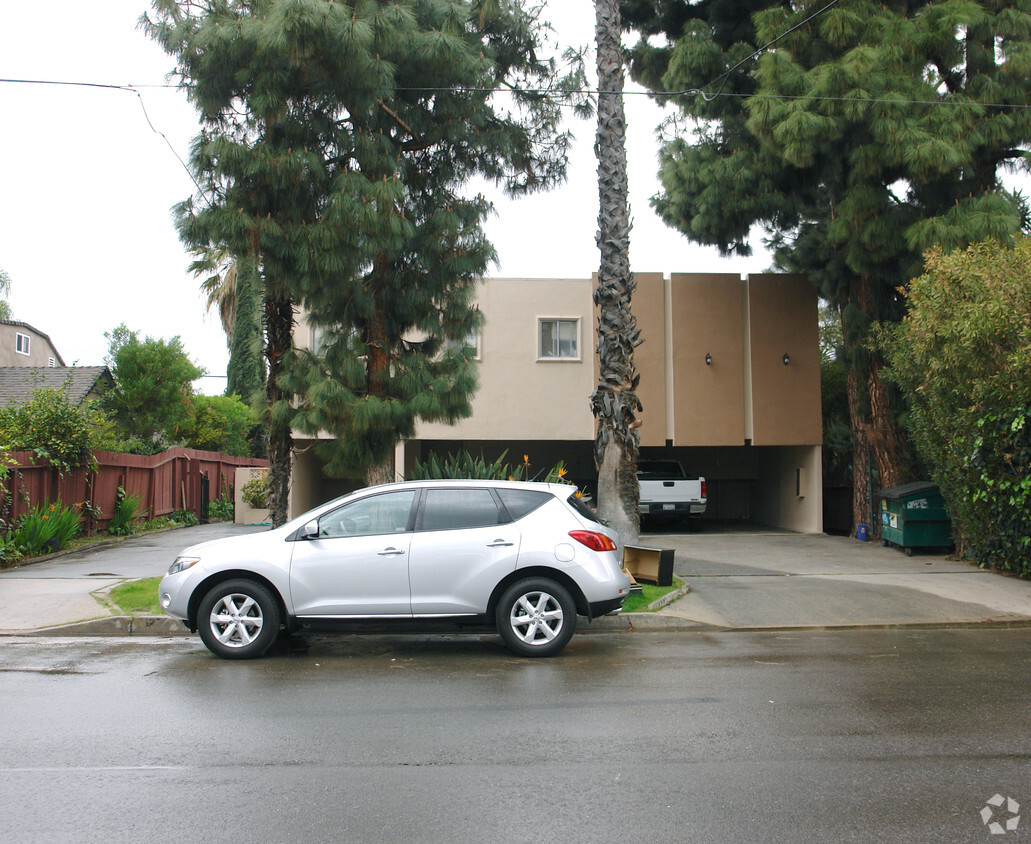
(739, 579)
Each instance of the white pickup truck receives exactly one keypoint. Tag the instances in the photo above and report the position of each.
(666, 492)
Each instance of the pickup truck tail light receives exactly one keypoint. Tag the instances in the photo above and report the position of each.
(594, 541)
(705, 492)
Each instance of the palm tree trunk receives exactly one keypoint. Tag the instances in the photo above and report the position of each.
(614, 402)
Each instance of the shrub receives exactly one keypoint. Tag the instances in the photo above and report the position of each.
(46, 528)
(1000, 505)
(217, 423)
(462, 465)
(222, 508)
(255, 491)
(963, 357)
(128, 508)
(187, 518)
(50, 425)
(466, 467)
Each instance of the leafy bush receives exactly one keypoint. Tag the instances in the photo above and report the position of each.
(963, 358)
(217, 423)
(50, 425)
(222, 508)
(46, 528)
(255, 491)
(187, 518)
(9, 553)
(128, 508)
(1000, 506)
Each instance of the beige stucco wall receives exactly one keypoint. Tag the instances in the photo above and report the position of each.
(785, 399)
(520, 395)
(40, 349)
(651, 358)
(707, 313)
(790, 491)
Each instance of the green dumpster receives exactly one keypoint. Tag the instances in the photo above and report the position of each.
(914, 516)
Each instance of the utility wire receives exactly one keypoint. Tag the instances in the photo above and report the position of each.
(134, 88)
(130, 89)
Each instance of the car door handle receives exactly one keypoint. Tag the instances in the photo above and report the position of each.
(390, 552)
(500, 543)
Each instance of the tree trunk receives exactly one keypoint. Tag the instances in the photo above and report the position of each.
(861, 475)
(878, 439)
(382, 471)
(279, 323)
(614, 402)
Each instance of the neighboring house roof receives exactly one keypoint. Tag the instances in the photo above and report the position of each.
(18, 323)
(18, 383)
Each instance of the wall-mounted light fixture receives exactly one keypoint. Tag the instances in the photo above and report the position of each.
(786, 359)
(708, 359)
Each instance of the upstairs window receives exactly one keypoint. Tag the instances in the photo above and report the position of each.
(559, 339)
(21, 343)
(471, 341)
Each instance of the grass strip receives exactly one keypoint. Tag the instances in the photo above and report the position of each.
(649, 594)
(137, 597)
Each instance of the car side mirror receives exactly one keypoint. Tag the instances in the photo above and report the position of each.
(310, 530)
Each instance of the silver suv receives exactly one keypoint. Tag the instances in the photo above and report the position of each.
(524, 557)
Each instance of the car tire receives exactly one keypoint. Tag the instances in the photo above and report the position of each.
(238, 619)
(536, 617)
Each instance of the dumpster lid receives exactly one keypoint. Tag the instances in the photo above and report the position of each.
(908, 490)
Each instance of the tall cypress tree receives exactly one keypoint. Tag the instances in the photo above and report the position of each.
(864, 135)
(337, 138)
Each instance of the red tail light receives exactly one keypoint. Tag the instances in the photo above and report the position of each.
(705, 492)
(594, 541)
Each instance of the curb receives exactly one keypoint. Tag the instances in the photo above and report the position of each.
(636, 622)
(115, 625)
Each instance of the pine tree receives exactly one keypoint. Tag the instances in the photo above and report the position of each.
(337, 139)
(864, 135)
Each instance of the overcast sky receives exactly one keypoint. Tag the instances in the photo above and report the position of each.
(87, 187)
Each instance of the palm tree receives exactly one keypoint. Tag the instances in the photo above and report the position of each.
(220, 286)
(5, 291)
(614, 402)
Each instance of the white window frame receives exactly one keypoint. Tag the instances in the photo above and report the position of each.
(22, 343)
(575, 321)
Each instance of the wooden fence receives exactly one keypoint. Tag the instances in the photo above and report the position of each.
(176, 479)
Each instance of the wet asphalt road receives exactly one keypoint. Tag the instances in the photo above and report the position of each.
(725, 737)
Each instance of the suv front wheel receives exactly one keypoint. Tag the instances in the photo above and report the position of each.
(238, 619)
(536, 617)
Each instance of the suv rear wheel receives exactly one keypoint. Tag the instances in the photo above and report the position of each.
(536, 617)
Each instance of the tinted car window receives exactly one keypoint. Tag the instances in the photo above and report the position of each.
(520, 502)
(451, 509)
(578, 504)
(387, 513)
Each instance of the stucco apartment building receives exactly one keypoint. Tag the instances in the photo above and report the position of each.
(730, 386)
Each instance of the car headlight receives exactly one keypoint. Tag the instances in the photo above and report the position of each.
(182, 563)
